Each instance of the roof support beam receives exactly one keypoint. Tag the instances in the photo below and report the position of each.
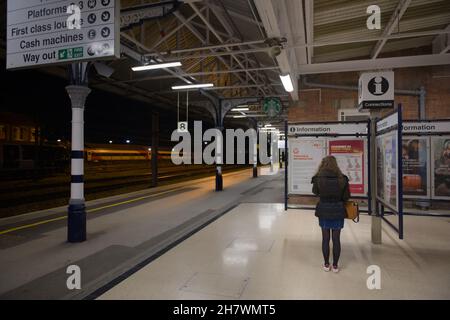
(203, 40)
(172, 32)
(275, 19)
(309, 23)
(395, 18)
(206, 73)
(235, 14)
(218, 46)
(376, 64)
(218, 36)
(178, 73)
(441, 44)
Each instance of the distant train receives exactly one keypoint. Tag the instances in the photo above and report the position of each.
(17, 156)
(96, 153)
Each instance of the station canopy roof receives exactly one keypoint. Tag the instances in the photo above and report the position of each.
(242, 46)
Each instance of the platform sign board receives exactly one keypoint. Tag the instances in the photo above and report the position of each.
(182, 126)
(428, 127)
(376, 90)
(305, 155)
(61, 31)
(328, 128)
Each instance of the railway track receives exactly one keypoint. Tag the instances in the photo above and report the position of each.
(14, 197)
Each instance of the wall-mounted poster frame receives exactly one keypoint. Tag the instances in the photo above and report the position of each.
(344, 134)
(436, 133)
(416, 167)
(440, 167)
(389, 167)
(305, 153)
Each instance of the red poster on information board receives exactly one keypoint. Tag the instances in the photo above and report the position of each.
(350, 157)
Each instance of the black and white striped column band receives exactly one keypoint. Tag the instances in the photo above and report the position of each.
(77, 178)
(77, 155)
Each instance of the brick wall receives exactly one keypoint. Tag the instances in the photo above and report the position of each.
(436, 81)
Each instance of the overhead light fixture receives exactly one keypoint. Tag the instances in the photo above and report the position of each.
(287, 82)
(240, 116)
(157, 66)
(268, 125)
(240, 109)
(193, 86)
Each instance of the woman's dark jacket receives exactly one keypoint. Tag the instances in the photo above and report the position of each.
(333, 191)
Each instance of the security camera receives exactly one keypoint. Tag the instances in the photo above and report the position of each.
(274, 51)
(103, 70)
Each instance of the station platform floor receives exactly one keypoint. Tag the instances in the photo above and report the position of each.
(258, 251)
(186, 241)
(123, 231)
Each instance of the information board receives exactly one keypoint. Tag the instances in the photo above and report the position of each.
(43, 32)
(415, 157)
(387, 169)
(305, 156)
(350, 157)
(440, 153)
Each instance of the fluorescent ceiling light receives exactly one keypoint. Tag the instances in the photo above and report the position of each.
(193, 86)
(287, 82)
(268, 125)
(240, 109)
(240, 116)
(157, 66)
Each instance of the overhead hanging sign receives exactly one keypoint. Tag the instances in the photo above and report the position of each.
(328, 129)
(56, 32)
(376, 90)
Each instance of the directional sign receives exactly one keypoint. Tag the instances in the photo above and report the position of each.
(60, 31)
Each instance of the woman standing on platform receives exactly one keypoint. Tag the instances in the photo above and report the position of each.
(332, 187)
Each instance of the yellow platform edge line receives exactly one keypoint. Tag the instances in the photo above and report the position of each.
(31, 225)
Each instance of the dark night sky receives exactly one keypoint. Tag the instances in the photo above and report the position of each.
(107, 116)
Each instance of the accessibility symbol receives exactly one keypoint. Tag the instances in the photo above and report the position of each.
(182, 126)
(106, 32)
(92, 18)
(105, 16)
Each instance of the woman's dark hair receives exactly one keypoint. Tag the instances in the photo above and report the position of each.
(329, 164)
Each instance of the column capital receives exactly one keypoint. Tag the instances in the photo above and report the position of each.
(78, 95)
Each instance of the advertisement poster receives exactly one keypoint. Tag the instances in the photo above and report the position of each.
(441, 167)
(387, 186)
(415, 166)
(304, 159)
(350, 157)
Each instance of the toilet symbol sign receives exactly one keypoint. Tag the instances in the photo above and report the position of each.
(182, 126)
(376, 90)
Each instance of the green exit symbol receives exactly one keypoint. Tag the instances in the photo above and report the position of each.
(62, 54)
(272, 106)
(72, 53)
